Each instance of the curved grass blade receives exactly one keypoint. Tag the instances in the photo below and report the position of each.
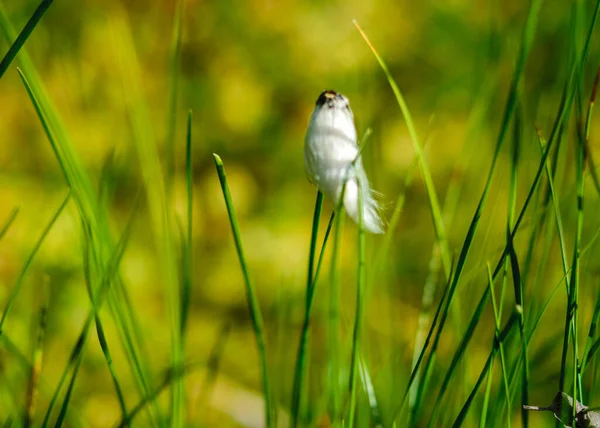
(252, 300)
(527, 41)
(87, 204)
(17, 287)
(109, 363)
(96, 305)
(436, 213)
(24, 35)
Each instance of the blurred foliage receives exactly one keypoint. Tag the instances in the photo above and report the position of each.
(251, 71)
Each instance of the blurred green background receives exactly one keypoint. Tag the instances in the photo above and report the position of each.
(251, 72)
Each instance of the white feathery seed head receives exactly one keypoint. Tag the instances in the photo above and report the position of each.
(332, 157)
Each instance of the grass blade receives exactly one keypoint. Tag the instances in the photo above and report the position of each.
(174, 64)
(252, 300)
(17, 287)
(188, 254)
(8, 223)
(86, 201)
(304, 334)
(358, 316)
(38, 354)
(369, 388)
(96, 305)
(24, 35)
(63, 410)
(334, 359)
(302, 348)
(157, 198)
(436, 213)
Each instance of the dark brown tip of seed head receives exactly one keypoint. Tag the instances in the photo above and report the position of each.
(326, 96)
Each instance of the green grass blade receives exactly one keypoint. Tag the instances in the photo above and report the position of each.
(416, 367)
(77, 178)
(17, 287)
(174, 75)
(313, 247)
(63, 410)
(304, 334)
(302, 348)
(472, 324)
(84, 197)
(505, 381)
(156, 194)
(38, 354)
(358, 316)
(462, 346)
(571, 311)
(334, 358)
(96, 305)
(527, 41)
(252, 300)
(587, 156)
(109, 362)
(518, 287)
(188, 254)
(369, 388)
(500, 336)
(74, 360)
(170, 378)
(484, 372)
(24, 35)
(436, 213)
(8, 223)
(213, 364)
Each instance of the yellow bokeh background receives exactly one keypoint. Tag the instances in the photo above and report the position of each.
(250, 72)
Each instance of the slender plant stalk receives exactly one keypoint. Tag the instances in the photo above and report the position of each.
(252, 300)
(302, 348)
(358, 316)
(334, 359)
